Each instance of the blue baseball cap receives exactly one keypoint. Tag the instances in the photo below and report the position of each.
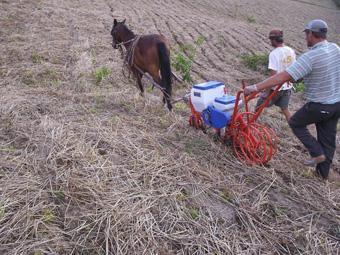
(316, 25)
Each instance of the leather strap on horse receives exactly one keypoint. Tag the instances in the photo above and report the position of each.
(130, 54)
(123, 43)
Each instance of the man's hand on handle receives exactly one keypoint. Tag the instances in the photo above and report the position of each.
(250, 89)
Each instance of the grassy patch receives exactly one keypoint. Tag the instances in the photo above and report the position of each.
(48, 74)
(28, 78)
(307, 173)
(9, 149)
(101, 74)
(221, 40)
(182, 196)
(149, 89)
(2, 73)
(114, 120)
(199, 40)
(56, 83)
(126, 106)
(281, 211)
(49, 77)
(93, 110)
(181, 107)
(256, 62)
(59, 194)
(164, 122)
(48, 215)
(2, 211)
(194, 213)
(36, 58)
(251, 19)
(226, 196)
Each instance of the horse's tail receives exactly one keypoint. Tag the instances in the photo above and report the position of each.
(164, 62)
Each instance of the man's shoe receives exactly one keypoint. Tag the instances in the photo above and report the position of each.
(314, 161)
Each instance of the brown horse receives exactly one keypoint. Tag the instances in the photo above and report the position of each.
(149, 54)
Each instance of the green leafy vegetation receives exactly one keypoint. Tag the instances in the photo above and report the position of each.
(48, 215)
(256, 62)
(194, 213)
(251, 19)
(181, 107)
(101, 74)
(183, 65)
(36, 58)
(2, 211)
(299, 87)
(184, 58)
(226, 195)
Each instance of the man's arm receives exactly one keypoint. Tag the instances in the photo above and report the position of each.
(298, 70)
(272, 81)
(272, 72)
(276, 79)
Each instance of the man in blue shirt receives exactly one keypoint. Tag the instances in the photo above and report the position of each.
(320, 69)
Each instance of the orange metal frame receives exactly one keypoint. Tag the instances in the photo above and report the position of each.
(252, 142)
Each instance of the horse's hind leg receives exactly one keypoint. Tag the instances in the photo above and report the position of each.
(166, 93)
(139, 82)
(158, 80)
(166, 97)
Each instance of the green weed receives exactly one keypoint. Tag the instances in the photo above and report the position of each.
(251, 19)
(194, 213)
(2, 211)
(299, 87)
(28, 78)
(48, 215)
(256, 62)
(59, 194)
(184, 58)
(181, 107)
(226, 196)
(36, 58)
(183, 64)
(101, 74)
